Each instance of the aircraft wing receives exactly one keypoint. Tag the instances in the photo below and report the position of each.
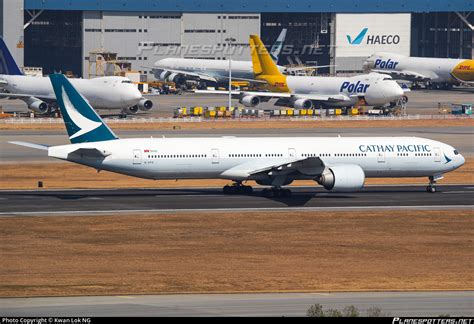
(310, 166)
(405, 75)
(201, 76)
(26, 96)
(280, 95)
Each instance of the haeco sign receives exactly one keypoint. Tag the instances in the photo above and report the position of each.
(373, 39)
(360, 35)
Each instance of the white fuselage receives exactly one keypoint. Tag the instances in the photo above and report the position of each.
(101, 93)
(219, 69)
(204, 158)
(377, 89)
(437, 70)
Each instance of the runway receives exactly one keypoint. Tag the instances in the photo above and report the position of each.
(283, 304)
(97, 202)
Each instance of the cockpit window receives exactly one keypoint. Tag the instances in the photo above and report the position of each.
(126, 81)
(456, 152)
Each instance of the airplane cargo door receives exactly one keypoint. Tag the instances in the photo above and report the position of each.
(437, 154)
(215, 156)
(137, 157)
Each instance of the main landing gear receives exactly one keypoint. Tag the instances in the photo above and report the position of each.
(276, 192)
(432, 186)
(237, 188)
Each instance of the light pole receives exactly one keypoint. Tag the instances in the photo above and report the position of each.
(229, 41)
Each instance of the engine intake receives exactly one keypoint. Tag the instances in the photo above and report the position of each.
(342, 178)
(303, 104)
(250, 101)
(39, 106)
(145, 104)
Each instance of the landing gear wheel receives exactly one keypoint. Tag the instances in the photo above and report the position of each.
(276, 193)
(237, 188)
(431, 188)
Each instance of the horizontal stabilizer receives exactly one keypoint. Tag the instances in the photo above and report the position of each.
(31, 145)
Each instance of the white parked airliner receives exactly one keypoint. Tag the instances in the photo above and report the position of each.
(110, 92)
(338, 164)
(435, 72)
(306, 92)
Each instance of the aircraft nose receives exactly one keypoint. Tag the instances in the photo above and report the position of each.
(462, 160)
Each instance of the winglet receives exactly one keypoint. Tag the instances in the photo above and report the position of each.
(8, 65)
(83, 124)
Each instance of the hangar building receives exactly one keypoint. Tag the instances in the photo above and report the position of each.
(64, 35)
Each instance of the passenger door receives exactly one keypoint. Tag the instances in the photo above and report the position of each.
(215, 156)
(381, 157)
(437, 154)
(292, 153)
(137, 157)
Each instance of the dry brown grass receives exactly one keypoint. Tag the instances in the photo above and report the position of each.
(251, 252)
(278, 124)
(69, 175)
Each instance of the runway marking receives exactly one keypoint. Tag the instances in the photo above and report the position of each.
(456, 192)
(122, 211)
(127, 297)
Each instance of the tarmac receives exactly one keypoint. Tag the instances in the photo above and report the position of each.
(129, 201)
(453, 303)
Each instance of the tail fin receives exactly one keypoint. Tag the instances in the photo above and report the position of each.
(83, 124)
(277, 46)
(8, 65)
(262, 61)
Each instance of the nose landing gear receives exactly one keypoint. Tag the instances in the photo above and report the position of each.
(432, 185)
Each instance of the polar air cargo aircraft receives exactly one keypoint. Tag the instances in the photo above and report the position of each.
(436, 72)
(338, 164)
(109, 92)
(307, 92)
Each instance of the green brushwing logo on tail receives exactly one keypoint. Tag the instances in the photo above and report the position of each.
(83, 124)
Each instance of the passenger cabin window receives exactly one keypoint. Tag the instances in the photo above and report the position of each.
(126, 81)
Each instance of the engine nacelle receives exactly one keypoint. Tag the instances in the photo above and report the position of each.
(176, 78)
(131, 110)
(342, 178)
(164, 75)
(303, 104)
(145, 104)
(250, 101)
(39, 106)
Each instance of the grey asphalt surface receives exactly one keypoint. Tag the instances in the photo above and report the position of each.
(283, 304)
(424, 102)
(97, 202)
(461, 138)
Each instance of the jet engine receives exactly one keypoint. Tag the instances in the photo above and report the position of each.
(145, 104)
(39, 106)
(176, 78)
(342, 178)
(250, 101)
(164, 75)
(131, 110)
(303, 104)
